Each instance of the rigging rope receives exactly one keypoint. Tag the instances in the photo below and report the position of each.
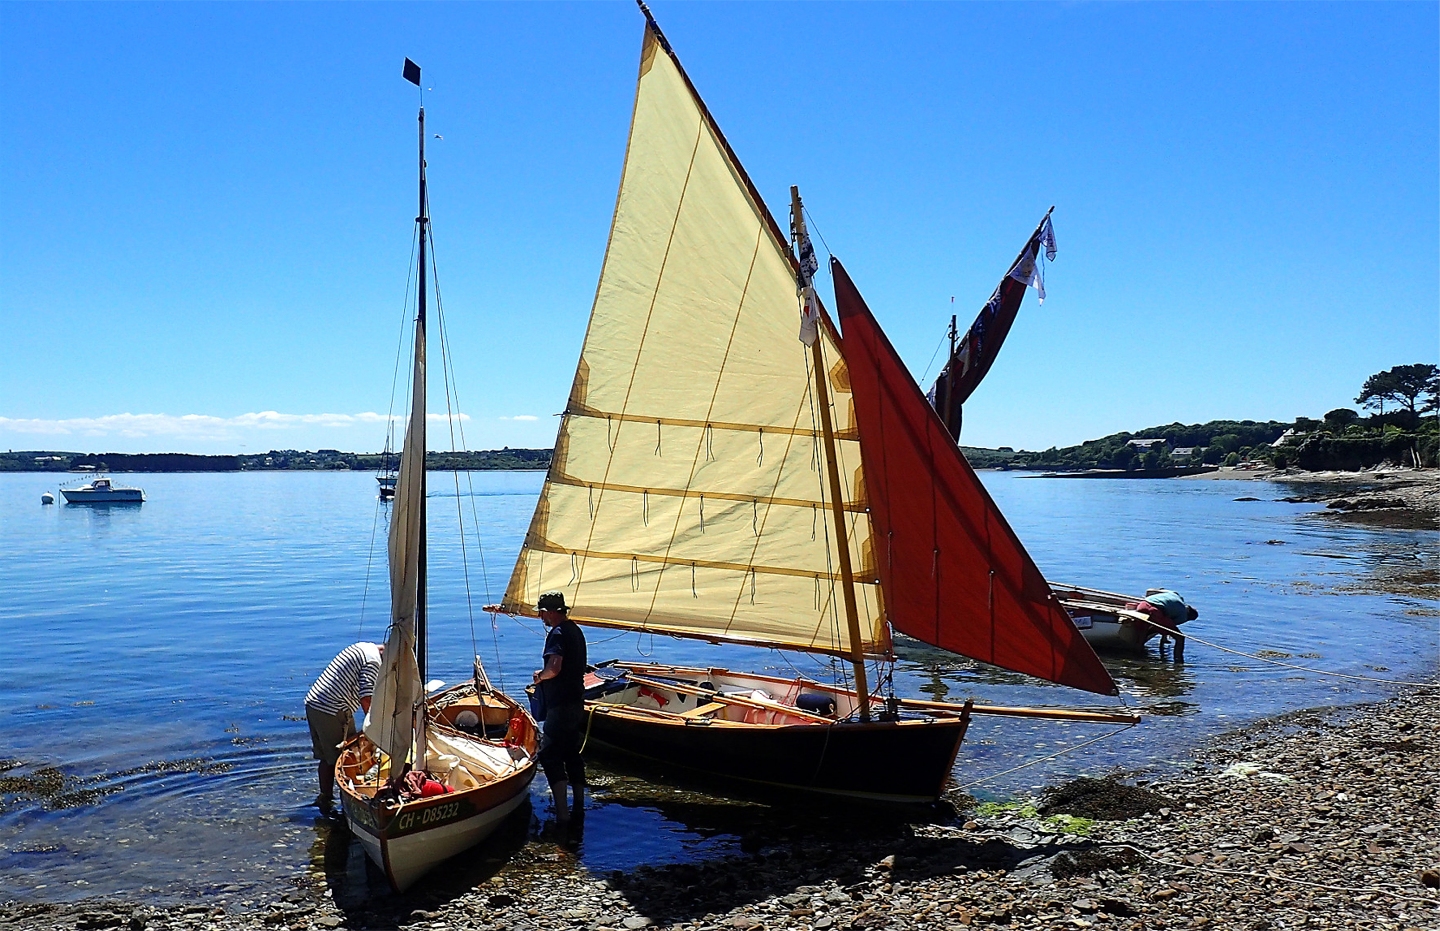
(1318, 672)
(453, 416)
(1058, 753)
(369, 560)
(926, 376)
(390, 417)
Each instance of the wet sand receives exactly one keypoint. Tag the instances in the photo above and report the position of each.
(1320, 819)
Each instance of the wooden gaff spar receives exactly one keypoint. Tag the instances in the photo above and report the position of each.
(711, 480)
(479, 741)
(1106, 619)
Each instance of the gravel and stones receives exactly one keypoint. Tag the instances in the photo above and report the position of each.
(1321, 819)
(1387, 497)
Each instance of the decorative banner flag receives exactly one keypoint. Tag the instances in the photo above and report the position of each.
(976, 350)
(1028, 271)
(1047, 239)
(809, 265)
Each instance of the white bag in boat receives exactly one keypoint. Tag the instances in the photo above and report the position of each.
(461, 779)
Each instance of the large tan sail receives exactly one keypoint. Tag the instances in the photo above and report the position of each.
(391, 722)
(687, 494)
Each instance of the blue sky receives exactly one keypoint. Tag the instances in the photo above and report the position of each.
(206, 209)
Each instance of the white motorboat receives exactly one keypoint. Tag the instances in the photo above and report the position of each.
(102, 491)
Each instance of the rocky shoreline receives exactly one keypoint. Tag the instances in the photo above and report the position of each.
(1319, 819)
(1396, 498)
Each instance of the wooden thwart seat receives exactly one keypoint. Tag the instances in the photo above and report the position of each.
(703, 710)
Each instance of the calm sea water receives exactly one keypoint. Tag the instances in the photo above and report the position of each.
(157, 657)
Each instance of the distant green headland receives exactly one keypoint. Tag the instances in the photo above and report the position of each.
(285, 460)
(1342, 440)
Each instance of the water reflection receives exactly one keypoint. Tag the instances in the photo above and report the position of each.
(1144, 674)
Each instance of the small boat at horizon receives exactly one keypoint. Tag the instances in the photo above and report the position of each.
(101, 490)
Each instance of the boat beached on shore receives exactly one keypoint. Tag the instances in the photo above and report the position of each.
(428, 777)
(717, 478)
(1106, 619)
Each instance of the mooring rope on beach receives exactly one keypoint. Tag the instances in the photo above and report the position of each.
(1318, 672)
(1398, 892)
(1058, 753)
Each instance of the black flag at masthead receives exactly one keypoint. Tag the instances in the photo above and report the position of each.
(412, 72)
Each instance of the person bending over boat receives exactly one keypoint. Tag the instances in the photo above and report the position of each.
(562, 682)
(345, 685)
(1167, 611)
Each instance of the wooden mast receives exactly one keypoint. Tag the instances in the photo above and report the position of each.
(837, 502)
(424, 220)
(949, 364)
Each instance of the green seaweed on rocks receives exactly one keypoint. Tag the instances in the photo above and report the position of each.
(1014, 809)
(1070, 824)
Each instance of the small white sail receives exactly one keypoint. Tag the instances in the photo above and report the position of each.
(688, 492)
(392, 723)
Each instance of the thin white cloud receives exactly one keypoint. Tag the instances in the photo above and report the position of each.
(521, 417)
(191, 426)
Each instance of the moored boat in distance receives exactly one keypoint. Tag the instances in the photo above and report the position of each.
(1106, 619)
(101, 490)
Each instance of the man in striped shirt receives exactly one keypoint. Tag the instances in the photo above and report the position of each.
(346, 684)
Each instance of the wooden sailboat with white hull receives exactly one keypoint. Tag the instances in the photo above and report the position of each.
(712, 479)
(477, 744)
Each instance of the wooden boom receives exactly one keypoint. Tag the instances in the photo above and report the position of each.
(1053, 714)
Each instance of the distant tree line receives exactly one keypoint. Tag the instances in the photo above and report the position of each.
(274, 460)
(1212, 443)
(1403, 435)
(1398, 432)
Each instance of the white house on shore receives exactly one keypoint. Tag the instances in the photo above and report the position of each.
(1286, 438)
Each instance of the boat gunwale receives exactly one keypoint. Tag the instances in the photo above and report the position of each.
(386, 816)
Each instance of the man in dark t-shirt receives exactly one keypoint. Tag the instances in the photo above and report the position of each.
(563, 683)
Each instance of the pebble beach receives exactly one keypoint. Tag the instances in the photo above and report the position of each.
(1321, 819)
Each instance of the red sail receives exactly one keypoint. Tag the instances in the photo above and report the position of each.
(953, 572)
